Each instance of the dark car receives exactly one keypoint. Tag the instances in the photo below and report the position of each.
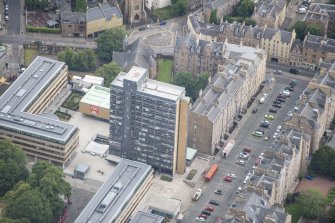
(214, 202)
(265, 124)
(219, 192)
(206, 212)
(272, 110)
(276, 105)
(289, 88)
(248, 150)
(162, 23)
(277, 101)
(294, 71)
(293, 83)
(142, 28)
(281, 99)
(254, 110)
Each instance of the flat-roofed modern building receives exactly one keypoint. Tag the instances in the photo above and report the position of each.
(96, 102)
(142, 217)
(41, 137)
(119, 195)
(148, 121)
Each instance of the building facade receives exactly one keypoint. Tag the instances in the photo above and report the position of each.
(315, 109)
(101, 18)
(134, 12)
(270, 13)
(276, 42)
(21, 113)
(73, 24)
(228, 93)
(157, 4)
(316, 49)
(223, 8)
(148, 121)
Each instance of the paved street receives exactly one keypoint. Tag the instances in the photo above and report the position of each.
(243, 139)
(15, 12)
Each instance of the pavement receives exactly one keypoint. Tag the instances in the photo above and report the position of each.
(243, 138)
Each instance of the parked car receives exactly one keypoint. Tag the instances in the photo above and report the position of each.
(281, 99)
(200, 219)
(240, 162)
(278, 128)
(254, 110)
(203, 216)
(275, 135)
(264, 125)
(276, 105)
(244, 155)
(258, 133)
(206, 212)
(278, 72)
(142, 28)
(219, 192)
(266, 138)
(209, 208)
(162, 23)
(272, 110)
(293, 70)
(232, 175)
(270, 117)
(293, 83)
(228, 179)
(288, 88)
(214, 202)
(248, 150)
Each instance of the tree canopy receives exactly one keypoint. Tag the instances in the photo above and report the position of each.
(311, 203)
(36, 4)
(214, 17)
(81, 60)
(80, 6)
(248, 21)
(192, 85)
(109, 41)
(12, 166)
(302, 28)
(323, 161)
(245, 9)
(108, 72)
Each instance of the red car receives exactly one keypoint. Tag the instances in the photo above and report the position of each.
(258, 161)
(228, 179)
(203, 216)
(211, 209)
(248, 150)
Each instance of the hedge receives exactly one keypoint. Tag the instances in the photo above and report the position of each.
(42, 29)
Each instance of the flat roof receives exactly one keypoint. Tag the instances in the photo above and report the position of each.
(150, 87)
(93, 79)
(144, 217)
(98, 96)
(113, 196)
(22, 94)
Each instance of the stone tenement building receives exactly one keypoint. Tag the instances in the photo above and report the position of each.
(270, 12)
(322, 15)
(277, 43)
(315, 109)
(223, 7)
(236, 81)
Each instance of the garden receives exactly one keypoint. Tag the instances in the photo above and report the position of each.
(72, 102)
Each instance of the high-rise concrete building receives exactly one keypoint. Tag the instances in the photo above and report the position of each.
(148, 121)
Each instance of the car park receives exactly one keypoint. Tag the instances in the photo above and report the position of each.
(240, 162)
(199, 219)
(270, 117)
(209, 208)
(272, 110)
(228, 179)
(214, 202)
(219, 192)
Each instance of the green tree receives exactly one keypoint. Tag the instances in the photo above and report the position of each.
(313, 29)
(321, 162)
(331, 214)
(299, 28)
(31, 205)
(192, 85)
(49, 180)
(81, 60)
(249, 22)
(311, 203)
(332, 2)
(332, 33)
(245, 8)
(213, 18)
(80, 6)
(108, 72)
(9, 220)
(109, 41)
(181, 6)
(12, 166)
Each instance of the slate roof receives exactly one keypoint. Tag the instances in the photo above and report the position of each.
(138, 53)
(319, 43)
(214, 4)
(238, 30)
(103, 11)
(73, 17)
(270, 8)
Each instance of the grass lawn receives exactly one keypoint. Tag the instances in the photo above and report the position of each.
(72, 102)
(166, 12)
(294, 210)
(62, 116)
(29, 55)
(164, 70)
